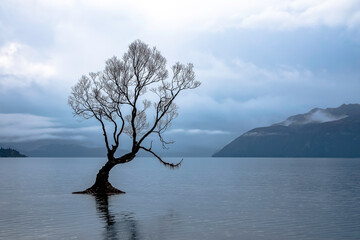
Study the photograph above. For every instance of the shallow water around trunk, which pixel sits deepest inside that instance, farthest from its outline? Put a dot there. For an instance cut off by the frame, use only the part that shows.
(207, 198)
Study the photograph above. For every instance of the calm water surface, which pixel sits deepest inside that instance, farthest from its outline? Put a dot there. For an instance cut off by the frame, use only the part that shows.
(207, 198)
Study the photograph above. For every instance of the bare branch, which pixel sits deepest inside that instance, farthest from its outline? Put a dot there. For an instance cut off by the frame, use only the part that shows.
(170, 165)
(104, 133)
(113, 96)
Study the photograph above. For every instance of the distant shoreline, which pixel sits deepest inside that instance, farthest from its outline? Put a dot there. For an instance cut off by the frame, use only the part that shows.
(10, 153)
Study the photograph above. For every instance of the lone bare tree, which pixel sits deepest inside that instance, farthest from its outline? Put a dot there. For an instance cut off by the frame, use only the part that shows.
(124, 96)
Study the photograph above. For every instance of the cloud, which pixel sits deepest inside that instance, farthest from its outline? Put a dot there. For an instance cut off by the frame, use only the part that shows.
(304, 13)
(216, 15)
(238, 95)
(80, 40)
(197, 131)
(26, 127)
(227, 80)
(19, 67)
(186, 17)
(317, 115)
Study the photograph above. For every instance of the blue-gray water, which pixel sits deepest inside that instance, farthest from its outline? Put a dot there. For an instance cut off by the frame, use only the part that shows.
(207, 198)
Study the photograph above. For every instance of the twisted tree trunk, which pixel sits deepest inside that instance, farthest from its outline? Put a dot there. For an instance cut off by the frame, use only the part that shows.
(102, 184)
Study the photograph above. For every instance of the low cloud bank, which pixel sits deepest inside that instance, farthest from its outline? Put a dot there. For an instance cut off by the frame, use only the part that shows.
(18, 127)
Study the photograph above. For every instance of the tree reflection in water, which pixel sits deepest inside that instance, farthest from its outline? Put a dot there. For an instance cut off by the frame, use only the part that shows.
(122, 227)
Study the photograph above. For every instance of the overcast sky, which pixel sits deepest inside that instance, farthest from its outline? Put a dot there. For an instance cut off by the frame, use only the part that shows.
(259, 61)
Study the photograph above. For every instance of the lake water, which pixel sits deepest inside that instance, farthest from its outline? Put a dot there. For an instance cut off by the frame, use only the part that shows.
(207, 198)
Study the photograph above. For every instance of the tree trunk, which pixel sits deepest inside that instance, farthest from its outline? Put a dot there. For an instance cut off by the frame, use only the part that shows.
(102, 184)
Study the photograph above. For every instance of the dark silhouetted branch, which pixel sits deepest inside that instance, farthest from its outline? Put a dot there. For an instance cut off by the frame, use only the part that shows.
(170, 165)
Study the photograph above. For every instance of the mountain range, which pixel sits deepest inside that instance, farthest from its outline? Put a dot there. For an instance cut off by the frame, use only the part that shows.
(60, 148)
(56, 148)
(330, 132)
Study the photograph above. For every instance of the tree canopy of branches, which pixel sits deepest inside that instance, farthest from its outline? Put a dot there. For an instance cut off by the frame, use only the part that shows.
(135, 96)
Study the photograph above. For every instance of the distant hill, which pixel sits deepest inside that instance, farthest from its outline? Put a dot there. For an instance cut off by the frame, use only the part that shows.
(8, 152)
(66, 150)
(57, 148)
(330, 132)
